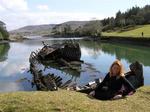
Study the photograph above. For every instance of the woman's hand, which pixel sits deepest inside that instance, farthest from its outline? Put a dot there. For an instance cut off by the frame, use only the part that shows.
(117, 97)
(92, 93)
(131, 93)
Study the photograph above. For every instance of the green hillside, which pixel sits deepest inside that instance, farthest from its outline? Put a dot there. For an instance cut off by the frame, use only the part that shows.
(135, 32)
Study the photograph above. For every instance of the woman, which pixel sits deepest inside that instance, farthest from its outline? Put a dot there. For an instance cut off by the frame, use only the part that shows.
(114, 85)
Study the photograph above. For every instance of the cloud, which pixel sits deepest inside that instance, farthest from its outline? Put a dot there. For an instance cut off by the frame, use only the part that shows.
(43, 7)
(16, 14)
(1, 8)
(14, 5)
(16, 20)
(12, 69)
(9, 86)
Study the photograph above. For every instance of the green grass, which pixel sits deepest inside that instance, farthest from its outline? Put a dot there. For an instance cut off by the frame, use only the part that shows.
(69, 101)
(136, 32)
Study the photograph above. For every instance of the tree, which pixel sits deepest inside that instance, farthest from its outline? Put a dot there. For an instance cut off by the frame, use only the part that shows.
(67, 30)
(118, 19)
(147, 18)
(92, 28)
(78, 31)
(3, 32)
(133, 16)
(1, 36)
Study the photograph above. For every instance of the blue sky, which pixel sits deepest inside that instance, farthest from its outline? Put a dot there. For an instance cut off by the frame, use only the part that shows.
(18, 13)
(106, 7)
(88, 5)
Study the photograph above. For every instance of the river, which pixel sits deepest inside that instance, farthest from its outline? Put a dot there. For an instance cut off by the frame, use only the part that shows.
(14, 62)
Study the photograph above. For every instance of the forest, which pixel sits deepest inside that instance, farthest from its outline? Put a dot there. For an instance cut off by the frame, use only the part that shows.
(131, 17)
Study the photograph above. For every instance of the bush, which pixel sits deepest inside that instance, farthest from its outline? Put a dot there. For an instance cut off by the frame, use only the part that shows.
(1, 36)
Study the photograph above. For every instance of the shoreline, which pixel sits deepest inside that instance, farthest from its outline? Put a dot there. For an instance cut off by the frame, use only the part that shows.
(141, 41)
(13, 40)
(127, 40)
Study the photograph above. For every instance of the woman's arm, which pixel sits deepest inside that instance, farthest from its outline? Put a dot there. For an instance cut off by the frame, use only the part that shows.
(129, 86)
(98, 88)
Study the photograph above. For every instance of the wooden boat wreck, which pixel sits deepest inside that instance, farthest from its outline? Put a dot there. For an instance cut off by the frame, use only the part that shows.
(46, 82)
(63, 54)
(68, 51)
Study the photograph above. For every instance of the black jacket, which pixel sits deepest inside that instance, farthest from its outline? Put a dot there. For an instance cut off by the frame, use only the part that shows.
(110, 86)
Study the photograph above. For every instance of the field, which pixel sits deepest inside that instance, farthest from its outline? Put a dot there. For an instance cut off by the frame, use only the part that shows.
(132, 32)
(70, 101)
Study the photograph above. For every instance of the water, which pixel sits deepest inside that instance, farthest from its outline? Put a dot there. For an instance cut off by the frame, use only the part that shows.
(14, 62)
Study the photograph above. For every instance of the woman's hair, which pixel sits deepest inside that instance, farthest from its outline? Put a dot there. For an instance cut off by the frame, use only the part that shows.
(121, 71)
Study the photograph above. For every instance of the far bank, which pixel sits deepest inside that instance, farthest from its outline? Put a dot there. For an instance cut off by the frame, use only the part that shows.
(142, 41)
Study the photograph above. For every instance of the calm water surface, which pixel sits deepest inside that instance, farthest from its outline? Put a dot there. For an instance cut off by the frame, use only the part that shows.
(14, 62)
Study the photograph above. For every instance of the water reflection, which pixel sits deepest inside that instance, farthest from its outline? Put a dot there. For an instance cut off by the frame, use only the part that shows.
(128, 52)
(64, 69)
(91, 48)
(14, 67)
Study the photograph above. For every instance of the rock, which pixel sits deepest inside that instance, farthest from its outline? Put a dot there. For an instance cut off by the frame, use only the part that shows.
(135, 76)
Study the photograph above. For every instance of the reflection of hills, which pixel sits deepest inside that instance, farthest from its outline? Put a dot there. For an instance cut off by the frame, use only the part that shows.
(128, 52)
(92, 47)
(4, 48)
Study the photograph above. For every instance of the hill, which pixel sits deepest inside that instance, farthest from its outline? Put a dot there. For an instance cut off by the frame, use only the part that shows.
(73, 24)
(45, 29)
(34, 30)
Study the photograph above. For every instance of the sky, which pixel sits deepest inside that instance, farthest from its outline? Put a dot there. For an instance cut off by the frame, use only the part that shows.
(19, 13)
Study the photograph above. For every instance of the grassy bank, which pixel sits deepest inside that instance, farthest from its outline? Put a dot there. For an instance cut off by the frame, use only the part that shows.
(69, 101)
(132, 32)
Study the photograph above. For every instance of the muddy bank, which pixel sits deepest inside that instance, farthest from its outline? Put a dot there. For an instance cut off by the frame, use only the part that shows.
(127, 40)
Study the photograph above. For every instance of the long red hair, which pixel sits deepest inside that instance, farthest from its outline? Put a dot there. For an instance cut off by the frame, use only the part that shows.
(121, 71)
